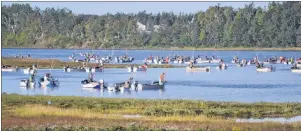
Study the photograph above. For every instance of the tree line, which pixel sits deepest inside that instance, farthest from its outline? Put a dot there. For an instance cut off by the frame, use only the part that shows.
(277, 25)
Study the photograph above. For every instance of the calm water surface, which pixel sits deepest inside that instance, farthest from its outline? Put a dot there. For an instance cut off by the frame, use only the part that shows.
(235, 84)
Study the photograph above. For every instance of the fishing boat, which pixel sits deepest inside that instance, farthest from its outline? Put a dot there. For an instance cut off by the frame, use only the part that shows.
(29, 71)
(68, 69)
(52, 83)
(222, 67)
(241, 65)
(123, 86)
(93, 84)
(215, 60)
(94, 69)
(194, 69)
(296, 70)
(135, 69)
(9, 69)
(26, 83)
(266, 69)
(201, 60)
(152, 86)
(148, 60)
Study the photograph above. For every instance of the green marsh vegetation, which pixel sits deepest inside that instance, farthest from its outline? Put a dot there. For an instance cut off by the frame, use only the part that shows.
(144, 114)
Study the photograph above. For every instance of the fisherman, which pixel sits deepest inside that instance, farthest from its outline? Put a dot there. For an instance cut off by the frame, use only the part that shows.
(101, 83)
(47, 77)
(90, 77)
(132, 67)
(31, 78)
(191, 64)
(161, 80)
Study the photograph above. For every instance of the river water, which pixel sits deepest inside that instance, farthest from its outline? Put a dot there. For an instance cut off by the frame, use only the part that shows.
(234, 84)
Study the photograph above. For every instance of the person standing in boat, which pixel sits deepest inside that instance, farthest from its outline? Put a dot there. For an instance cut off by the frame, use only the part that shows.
(161, 80)
(191, 64)
(90, 77)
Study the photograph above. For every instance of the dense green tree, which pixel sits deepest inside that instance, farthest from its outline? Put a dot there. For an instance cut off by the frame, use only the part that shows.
(278, 25)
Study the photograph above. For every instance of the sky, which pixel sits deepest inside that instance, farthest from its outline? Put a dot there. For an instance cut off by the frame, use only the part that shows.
(99, 8)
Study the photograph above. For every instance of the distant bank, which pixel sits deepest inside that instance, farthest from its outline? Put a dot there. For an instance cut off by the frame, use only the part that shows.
(175, 48)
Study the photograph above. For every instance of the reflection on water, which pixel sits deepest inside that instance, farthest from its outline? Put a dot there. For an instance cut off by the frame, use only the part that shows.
(281, 120)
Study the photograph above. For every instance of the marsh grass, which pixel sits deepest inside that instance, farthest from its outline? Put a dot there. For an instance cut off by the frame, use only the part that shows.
(57, 64)
(159, 107)
(82, 113)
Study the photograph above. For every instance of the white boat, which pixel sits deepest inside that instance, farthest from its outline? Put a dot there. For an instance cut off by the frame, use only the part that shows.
(153, 86)
(74, 70)
(94, 84)
(223, 67)
(54, 83)
(296, 70)
(135, 69)
(148, 61)
(24, 83)
(93, 70)
(241, 65)
(266, 69)
(215, 61)
(29, 71)
(200, 61)
(188, 69)
(10, 69)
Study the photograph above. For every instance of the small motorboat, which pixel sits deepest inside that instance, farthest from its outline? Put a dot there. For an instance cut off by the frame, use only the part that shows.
(135, 69)
(29, 71)
(26, 83)
(9, 69)
(153, 86)
(94, 69)
(194, 69)
(52, 83)
(68, 69)
(200, 61)
(241, 65)
(148, 61)
(94, 84)
(123, 86)
(266, 69)
(215, 60)
(222, 67)
(296, 70)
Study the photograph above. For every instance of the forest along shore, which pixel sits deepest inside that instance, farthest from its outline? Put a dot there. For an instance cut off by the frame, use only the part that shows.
(57, 64)
(218, 26)
(177, 48)
(58, 112)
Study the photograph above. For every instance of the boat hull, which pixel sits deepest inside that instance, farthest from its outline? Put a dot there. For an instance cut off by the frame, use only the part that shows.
(266, 69)
(149, 87)
(296, 70)
(9, 69)
(74, 70)
(135, 69)
(93, 70)
(24, 83)
(222, 67)
(29, 71)
(50, 83)
(199, 69)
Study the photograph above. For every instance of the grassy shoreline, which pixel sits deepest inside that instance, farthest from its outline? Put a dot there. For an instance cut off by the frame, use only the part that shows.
(57, 64)
(179, 49)
(83, 112)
